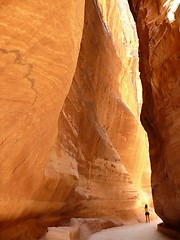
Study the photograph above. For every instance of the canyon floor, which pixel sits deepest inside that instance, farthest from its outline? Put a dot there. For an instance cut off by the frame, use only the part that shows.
(139, 231)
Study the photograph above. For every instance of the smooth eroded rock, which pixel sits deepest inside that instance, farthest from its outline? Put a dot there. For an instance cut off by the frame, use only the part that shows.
(36, 73)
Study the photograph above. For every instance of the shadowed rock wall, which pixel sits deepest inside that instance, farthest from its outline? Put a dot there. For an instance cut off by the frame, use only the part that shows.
(160, 73)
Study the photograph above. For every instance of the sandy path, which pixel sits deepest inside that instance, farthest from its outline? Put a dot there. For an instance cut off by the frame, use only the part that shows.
(141, 231)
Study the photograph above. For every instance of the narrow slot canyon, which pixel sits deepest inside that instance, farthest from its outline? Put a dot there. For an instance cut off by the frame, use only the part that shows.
(90, 119)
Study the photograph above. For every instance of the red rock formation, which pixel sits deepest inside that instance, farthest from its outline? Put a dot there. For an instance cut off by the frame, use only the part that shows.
(100, 136)
(36, 72)
(97, 163)
(159, 36)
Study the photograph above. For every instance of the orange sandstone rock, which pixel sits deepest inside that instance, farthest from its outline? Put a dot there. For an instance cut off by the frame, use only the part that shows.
(158, 29)
(69, 148)
(39, 47)
(99, 131)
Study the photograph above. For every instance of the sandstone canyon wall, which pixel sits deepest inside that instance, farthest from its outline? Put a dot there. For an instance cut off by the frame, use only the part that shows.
(36, 73)
(159, 33)
(100, 129)
(71, 141)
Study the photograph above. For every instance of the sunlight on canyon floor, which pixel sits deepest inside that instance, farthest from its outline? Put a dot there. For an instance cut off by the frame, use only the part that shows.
(131, 232)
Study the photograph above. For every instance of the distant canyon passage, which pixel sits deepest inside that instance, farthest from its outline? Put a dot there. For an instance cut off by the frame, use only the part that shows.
(71, 141)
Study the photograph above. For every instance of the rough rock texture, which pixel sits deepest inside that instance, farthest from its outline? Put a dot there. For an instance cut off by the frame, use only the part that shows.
(79, 228)
(36, 72)
(98, 129)
(168, 231)
(69, 150)
(158, 29)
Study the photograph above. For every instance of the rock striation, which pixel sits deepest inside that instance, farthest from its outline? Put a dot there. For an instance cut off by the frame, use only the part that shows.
(158, 29)
(71, 140)
(36, 73)
(100, 128)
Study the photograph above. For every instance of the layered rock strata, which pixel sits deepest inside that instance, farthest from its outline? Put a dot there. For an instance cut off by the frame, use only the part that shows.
(158, 29)
(71, 141)
(98, 128)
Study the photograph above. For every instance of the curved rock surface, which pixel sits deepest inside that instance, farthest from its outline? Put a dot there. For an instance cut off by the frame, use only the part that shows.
(159, 34)
(71, 141)
(100, 129)
(36, 73)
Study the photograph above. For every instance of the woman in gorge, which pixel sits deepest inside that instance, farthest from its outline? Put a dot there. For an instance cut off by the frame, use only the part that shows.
(147, 213)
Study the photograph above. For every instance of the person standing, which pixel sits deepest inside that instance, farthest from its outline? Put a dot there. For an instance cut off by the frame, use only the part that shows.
(147, 213)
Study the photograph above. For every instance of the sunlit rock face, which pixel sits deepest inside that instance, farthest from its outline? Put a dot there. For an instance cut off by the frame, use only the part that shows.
(130, 142)
(101, 143)
(158, 29)
(71, 140)
(37, 68)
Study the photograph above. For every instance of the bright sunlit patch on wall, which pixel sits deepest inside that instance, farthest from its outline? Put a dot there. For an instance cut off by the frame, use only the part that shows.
(172, 6)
